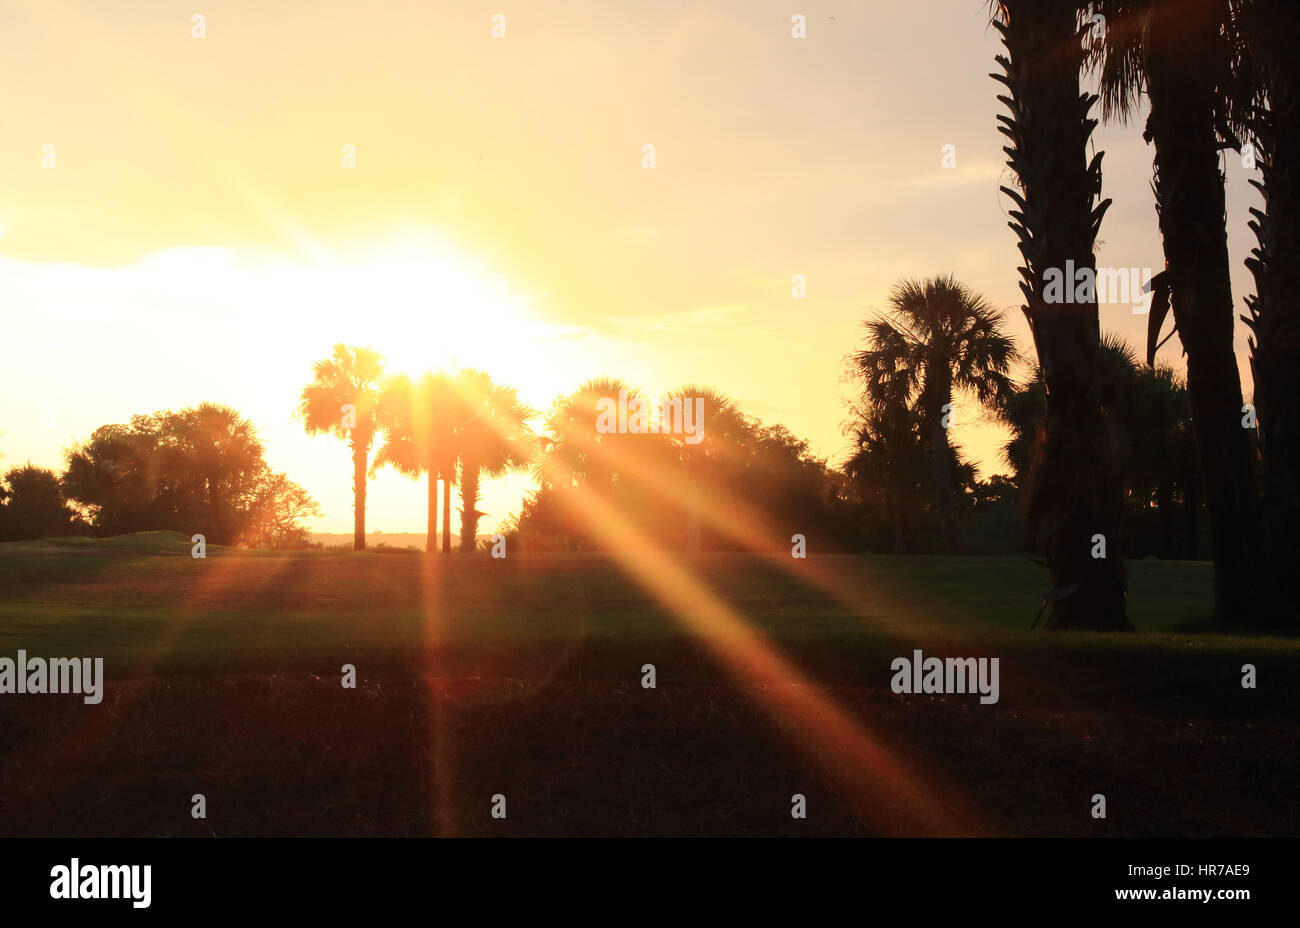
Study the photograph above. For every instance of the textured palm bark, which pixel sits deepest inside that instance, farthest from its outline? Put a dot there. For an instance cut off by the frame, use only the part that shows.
(359, 454)
(1074, 491)
(1275, 308)
(1190, 203)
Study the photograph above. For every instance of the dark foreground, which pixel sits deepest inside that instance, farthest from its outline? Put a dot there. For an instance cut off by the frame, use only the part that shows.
(527, 685)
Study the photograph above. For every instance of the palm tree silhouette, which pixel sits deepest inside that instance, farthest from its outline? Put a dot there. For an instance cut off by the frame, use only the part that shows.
(1179, 59)
(1272, 34)
(722, 428)
(418, 421)
(939, 338)
(342, 400)
(1271, 30)
(492, 437)
(575, 450)
(1077, 493)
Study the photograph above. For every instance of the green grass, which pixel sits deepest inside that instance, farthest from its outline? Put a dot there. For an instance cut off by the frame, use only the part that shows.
(510, 655)
(151, 607)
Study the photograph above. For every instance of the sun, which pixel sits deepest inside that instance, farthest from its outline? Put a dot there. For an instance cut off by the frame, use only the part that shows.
(427, 304)
(430, 305)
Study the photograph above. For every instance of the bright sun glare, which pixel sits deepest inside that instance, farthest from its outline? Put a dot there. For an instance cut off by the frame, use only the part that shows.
(428, 305)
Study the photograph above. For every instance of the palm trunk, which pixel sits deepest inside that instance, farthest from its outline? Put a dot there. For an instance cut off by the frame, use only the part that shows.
(1191, 209)
(446, 515)
(430, 542)
(469, 474)
(1274, 313)
(359, 496)
(1075, 492)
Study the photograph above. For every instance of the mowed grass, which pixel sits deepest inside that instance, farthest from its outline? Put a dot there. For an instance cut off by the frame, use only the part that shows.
(522, 676)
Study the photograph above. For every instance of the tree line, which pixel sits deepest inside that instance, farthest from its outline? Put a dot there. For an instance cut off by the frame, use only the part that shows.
(738, 483)
(454, 429)
(904, 487)
(200, 469)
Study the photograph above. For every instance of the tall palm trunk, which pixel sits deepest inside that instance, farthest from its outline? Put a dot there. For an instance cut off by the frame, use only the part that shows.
(446, 515)
(1191, 209)
(1275, 308)
(469, 477)
(1075, 493)
(359, 454)
(430, 542)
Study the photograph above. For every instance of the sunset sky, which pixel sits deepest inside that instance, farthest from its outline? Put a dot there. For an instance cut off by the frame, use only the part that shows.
(200, 239)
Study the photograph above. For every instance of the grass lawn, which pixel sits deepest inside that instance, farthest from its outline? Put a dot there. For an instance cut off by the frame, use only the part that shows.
(523, 676)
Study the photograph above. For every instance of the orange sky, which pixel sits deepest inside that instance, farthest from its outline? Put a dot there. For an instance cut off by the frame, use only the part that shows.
(199, 239)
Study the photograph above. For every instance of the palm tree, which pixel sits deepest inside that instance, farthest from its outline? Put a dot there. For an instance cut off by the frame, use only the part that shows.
(417, 422)
(576, 451)
(939, 339)
(722, 431)
(1271, 30)
(342, 400)
(492, 438)
(1180, 56)
(1077, 493)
